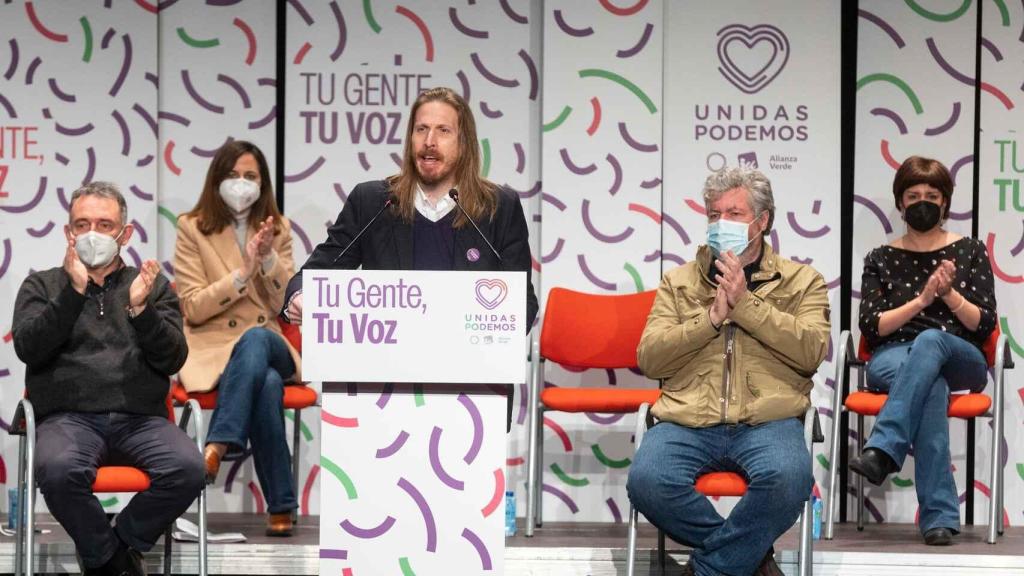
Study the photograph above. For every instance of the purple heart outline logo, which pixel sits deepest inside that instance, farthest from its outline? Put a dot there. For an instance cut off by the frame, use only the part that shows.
(756, 71)
(491, 292)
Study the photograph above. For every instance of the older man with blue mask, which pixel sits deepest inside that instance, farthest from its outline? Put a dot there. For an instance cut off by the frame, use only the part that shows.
(735, 335)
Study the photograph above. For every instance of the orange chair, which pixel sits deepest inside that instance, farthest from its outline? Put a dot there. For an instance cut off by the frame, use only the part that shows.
(965, 406)
(583, 331)
(295, 398)
(719, 484)
(108, 479)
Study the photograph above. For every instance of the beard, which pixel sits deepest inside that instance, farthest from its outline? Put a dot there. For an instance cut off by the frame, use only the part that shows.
(436, 174)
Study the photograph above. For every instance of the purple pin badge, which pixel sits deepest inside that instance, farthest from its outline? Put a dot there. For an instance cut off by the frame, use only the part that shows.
(472, 254)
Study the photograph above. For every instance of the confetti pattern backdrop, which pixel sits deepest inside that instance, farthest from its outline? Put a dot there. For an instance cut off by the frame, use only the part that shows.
(915, 95)
(601, 206)
(574, 112)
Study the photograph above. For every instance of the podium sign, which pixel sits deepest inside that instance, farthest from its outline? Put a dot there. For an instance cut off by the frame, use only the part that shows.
(413, 475)
(413, 326)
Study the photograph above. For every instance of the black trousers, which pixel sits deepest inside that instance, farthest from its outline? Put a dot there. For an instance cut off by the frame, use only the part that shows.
(70, 446)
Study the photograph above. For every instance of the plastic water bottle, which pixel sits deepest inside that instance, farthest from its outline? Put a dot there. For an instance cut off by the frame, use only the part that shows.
(816, 511)
(12, 510)
(510, 512)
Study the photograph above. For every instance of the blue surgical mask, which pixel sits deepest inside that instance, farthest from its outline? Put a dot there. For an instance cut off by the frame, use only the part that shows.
(725, 235)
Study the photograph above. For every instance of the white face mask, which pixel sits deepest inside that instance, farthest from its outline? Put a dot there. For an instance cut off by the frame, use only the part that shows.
(96, 250)
(239, 194)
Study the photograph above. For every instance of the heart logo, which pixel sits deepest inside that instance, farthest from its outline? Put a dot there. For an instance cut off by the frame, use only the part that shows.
(491, 293)
(752, 56)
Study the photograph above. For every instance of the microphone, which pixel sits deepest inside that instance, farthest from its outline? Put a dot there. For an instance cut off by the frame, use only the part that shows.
(391, 201)
(454, 195)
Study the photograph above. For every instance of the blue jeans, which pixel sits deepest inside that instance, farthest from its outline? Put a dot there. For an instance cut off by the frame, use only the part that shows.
(250, 409)
(69, 448)
(918, 376)
(771, 456)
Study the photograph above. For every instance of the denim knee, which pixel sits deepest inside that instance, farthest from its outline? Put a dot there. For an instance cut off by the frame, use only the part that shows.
(930, 339)
(644, 484)
(257, 337)
(790, 481)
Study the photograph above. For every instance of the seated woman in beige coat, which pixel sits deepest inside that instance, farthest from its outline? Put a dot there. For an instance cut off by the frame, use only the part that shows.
(232, 262)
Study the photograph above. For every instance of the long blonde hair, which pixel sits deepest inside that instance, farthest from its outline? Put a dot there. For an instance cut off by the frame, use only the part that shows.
(476, 194)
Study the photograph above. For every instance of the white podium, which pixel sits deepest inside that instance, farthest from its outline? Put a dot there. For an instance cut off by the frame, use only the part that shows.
(413, 418)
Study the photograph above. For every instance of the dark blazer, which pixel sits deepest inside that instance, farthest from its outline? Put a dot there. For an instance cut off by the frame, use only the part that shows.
(387, 244)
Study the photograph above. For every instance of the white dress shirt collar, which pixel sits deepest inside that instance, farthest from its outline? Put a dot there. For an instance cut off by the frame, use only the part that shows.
(432, 211)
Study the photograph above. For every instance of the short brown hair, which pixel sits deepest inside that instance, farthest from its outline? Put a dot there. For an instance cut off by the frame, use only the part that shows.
(919, 170)
(477, 195)
(211, 213)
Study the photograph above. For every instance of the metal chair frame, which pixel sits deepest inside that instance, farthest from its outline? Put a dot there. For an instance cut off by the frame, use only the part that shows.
(812, 434)
(24, 426)
(847, 358)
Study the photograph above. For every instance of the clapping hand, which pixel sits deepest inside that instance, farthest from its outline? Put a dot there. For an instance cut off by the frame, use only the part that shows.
(720, 307)
(142, 285)
(265, 237)
(731, 278)
(945, 273)
(929, 292)
(74, 268)
(258, 247)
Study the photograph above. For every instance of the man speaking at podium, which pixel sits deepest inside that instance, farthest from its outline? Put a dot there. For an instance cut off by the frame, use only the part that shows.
(437, 213)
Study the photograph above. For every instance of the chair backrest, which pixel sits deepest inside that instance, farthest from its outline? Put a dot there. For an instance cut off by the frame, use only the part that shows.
(594, 330)
(291, 333)
(989, 347)
(863, 350)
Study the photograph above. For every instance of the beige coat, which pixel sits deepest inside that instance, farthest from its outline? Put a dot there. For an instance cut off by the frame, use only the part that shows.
(216, 313)
(757, 367)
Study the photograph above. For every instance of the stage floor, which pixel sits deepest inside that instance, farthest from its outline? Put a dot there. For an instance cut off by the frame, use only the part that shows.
(562, 548)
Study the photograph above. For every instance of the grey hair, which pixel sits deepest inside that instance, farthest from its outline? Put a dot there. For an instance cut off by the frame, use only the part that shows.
(103, 190)
(757, 185)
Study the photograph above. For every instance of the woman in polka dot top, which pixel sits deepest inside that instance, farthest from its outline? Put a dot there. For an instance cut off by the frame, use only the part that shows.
(927, 306)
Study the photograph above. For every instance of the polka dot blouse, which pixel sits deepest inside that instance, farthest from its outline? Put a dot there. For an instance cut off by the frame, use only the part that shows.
(894, 276)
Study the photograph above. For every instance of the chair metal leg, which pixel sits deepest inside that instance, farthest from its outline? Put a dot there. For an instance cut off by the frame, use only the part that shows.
(803, 565)
(203, 549)
(533, 403)
(539, 483)
(969, 472)
(29, 500)
(296, 437)
(805, 552)
(167, 551)
(631, 544)
(193, 406)
(640, 427)
(845, 340)
(995, 504)
(662, 553)
(19, 540)
(860, 479)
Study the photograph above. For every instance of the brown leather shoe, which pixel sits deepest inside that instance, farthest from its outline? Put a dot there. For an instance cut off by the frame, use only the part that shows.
(279, 524)
(212, 458)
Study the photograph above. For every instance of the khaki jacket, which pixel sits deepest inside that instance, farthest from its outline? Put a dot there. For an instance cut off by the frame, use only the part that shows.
(757, 366)
(216, 313)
